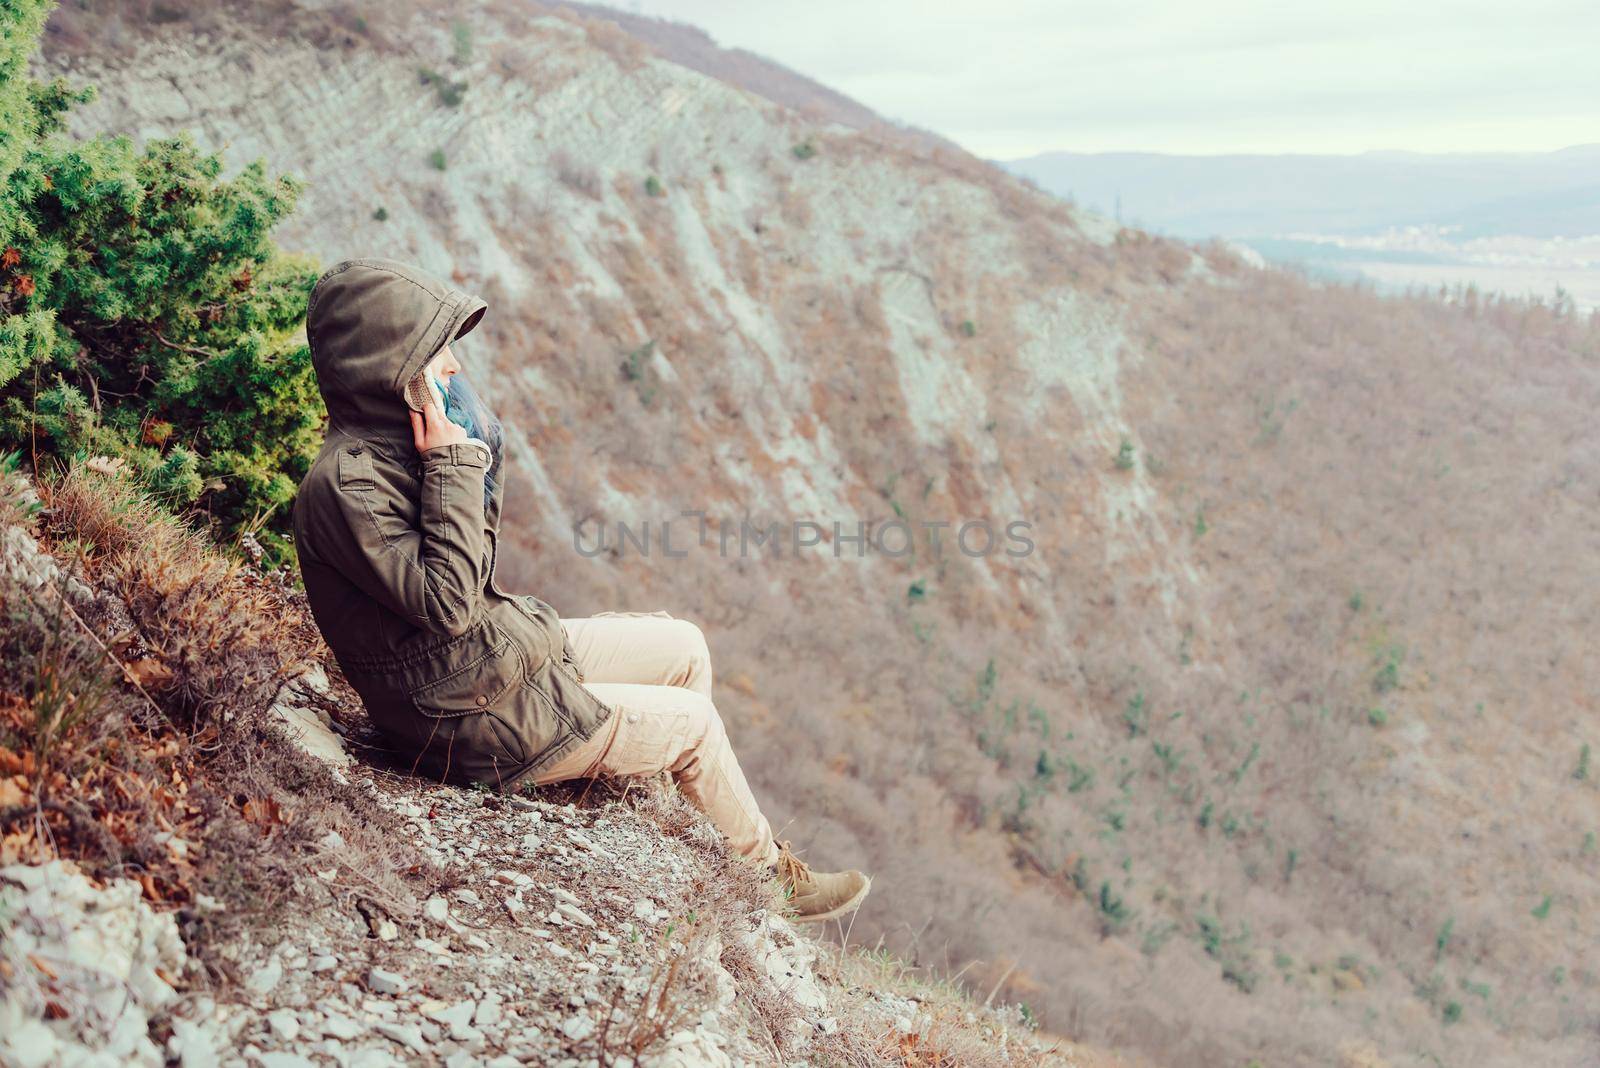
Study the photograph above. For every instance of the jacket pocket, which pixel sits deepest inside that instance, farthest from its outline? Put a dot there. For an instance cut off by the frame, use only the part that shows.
(476, 708)
(476, 686)
(561, 684)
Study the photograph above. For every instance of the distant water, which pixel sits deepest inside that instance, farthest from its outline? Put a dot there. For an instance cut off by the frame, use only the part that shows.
(1432, 256)
(1583, 286)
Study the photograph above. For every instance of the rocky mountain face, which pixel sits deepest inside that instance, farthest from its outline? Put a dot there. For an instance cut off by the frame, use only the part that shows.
(1265, 737)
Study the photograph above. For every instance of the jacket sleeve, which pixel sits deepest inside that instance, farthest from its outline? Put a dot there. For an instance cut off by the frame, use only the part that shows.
(433, 573)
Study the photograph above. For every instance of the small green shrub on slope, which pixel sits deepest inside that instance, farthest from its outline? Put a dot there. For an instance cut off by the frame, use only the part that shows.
(144, 310)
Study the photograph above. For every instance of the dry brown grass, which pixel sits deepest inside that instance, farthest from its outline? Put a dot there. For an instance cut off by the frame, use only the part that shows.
(957, 1029)
(664, 1007)
(726, 900)
(85, 767)
(224, 638)
(958, 1032)
(174, 771)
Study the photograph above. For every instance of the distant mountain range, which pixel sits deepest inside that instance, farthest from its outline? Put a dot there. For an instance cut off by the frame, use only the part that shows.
(1541, 195)
(1526, 224)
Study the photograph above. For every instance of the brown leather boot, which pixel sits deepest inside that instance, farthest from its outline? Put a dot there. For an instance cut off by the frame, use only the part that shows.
(814, 896)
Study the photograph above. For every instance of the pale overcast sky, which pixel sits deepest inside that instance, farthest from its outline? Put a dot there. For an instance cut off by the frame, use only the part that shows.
(1008, 78)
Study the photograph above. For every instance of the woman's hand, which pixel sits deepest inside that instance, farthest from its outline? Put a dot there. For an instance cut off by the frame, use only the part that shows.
(430, 429)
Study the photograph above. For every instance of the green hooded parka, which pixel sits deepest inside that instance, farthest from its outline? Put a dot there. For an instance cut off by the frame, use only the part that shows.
(397, 550)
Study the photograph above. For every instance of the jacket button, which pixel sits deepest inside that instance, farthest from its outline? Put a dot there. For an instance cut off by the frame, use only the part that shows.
(482, 700)
(355, 450)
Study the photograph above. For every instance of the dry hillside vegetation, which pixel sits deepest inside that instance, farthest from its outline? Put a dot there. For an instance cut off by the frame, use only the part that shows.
(1275, 750)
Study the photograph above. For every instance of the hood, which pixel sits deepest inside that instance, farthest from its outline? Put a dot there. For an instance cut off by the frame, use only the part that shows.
(372, 324)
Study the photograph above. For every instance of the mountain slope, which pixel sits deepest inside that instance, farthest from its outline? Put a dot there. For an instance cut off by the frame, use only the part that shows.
(1269, 747)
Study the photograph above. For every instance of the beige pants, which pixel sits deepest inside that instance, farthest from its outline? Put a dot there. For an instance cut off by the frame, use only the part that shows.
(655, 671)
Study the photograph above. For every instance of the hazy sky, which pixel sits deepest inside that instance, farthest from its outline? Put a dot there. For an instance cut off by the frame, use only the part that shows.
(1008, 78)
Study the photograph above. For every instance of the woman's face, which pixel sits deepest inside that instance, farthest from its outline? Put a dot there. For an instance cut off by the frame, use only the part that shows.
(445, 366)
